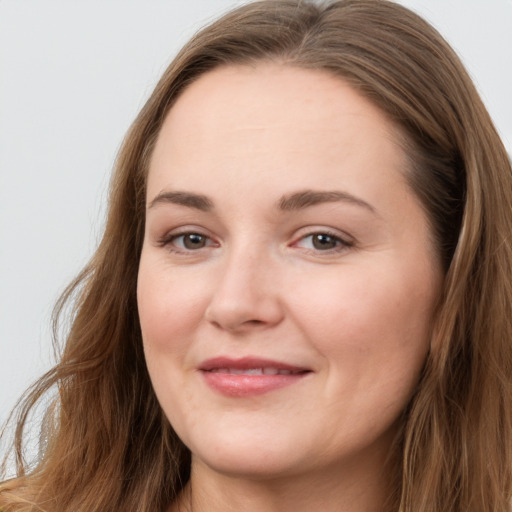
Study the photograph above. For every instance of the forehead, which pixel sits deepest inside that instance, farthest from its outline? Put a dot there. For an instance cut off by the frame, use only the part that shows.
(271, 121)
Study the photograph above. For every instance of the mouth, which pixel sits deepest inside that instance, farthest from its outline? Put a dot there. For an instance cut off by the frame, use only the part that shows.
(249, 376)
(255, 371)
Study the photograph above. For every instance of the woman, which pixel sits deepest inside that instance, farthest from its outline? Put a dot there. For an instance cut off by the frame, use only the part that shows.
(302, 297)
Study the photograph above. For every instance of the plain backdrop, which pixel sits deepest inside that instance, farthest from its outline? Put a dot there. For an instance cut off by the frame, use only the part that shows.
(73, 75)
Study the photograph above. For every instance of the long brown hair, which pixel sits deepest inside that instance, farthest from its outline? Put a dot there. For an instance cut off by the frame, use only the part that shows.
(106, 444)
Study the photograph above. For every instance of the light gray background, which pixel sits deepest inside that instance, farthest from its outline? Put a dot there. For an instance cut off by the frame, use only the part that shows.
(72, 77)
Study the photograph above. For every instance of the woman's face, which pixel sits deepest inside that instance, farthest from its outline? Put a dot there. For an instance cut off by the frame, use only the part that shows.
(287, 278)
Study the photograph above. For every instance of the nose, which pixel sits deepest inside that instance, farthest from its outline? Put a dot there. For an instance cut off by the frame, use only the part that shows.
(247, 295)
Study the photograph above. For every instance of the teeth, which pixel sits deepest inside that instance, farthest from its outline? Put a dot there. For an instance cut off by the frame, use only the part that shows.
(250, 371)
(220, 370)
(253, 371)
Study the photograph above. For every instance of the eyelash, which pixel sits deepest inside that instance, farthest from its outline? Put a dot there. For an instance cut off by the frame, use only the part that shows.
(168, 240)
(342, 244)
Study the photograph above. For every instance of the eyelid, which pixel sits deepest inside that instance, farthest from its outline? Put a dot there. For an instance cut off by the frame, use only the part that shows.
(344, 240)
(167, 239)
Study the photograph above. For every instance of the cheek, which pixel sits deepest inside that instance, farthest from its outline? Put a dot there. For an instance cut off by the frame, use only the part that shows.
(168, 311)
(168, 308)
(369, 326)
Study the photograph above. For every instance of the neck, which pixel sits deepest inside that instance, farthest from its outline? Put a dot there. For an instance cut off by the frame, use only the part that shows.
(330, 490)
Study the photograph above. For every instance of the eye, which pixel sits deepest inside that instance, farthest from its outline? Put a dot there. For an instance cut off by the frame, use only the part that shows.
(323, 242)
(187, 242)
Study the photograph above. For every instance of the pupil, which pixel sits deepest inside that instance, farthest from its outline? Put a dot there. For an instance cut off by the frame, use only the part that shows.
(324, 242)
(194, 241)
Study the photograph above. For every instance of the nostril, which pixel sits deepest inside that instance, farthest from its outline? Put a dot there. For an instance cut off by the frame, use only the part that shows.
(246, 312)
(238, 326)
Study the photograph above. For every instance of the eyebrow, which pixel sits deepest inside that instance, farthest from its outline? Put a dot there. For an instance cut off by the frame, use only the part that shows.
(306, 198)
(290, 202)
(197, 201)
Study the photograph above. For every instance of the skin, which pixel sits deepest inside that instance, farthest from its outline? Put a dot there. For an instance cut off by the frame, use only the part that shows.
(355, 310)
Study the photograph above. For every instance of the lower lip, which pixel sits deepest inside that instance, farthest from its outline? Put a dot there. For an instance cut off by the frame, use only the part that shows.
(248, 385)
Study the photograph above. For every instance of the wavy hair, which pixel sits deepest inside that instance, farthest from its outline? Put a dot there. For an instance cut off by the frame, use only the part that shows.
(106, 444)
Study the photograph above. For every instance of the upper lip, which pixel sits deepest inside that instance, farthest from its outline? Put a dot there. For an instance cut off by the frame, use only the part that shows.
(247, 363)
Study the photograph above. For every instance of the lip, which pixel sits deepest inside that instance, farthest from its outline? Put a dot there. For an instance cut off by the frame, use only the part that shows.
(227, 375)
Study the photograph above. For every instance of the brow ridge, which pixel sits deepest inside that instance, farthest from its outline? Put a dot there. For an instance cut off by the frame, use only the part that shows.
(196, 201)
(306, 198)
(290, 202)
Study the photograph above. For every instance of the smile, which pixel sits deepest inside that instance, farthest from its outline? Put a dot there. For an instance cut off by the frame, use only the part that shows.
(255, 371)
(248, 377)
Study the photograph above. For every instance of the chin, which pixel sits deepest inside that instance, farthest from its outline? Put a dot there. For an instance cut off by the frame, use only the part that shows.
(249, 457)
(249, 467)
